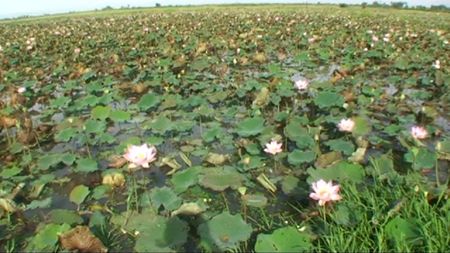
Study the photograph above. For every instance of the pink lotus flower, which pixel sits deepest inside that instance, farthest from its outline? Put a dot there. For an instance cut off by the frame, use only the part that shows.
(273, 147)
(346, 125)
(437, 64)
(301, 84)
(21, 90)
(140, 155)
(418, 132)
(325, 192)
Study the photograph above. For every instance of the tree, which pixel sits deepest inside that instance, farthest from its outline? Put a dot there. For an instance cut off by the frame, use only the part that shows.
(157, 5)
(399, 5)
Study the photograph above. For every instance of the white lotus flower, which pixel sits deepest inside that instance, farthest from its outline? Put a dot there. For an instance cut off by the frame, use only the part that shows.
(325, 192)
(140, 155)
(419, 132)
(346, 125)
(273, 147)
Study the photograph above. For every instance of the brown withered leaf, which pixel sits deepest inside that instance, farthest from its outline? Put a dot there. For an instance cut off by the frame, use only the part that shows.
(81, 239)
(26, 137)
(7, 122)
(139, 88)
(259, 58)
(328, 159)
(216, 159)
(17, 99)
(117, 162)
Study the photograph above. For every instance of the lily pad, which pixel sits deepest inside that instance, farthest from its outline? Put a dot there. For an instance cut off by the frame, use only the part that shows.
(148, 101)
(340, 145)
(342, 171)
(287, 239)
(298, 157)
(224, 232)
(101, 112)
(400, 230)
(219, 179)
(166, 197)
(61, 216)
(161, 125)
(160, 234)
(255, 200)
(79, 194)
(86, 165)
(47, 237)
(325, 99)
(250, 126)
(182, 180)
(120, 116)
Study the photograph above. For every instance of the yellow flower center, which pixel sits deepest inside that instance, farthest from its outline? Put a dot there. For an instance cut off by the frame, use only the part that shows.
(322, 191)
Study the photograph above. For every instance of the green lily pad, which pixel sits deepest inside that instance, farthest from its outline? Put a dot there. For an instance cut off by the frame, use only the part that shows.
(342, 171)
(45, 162)
(44, 203)
(101, 112)
(325, 99)
(120, 116)
(250, 126)
(400, 230)
(86, 165)
(219, 179)
(61, 216)
(79, 194)
(341, 145)
(295, 132)
(255, 200)
(362, 126)
(66, 134)
(148, 101)
(94, 126)
(157, 233)
(342, 215)
(47, 237)
(11, 172)
(287, 239)
(68, 158)
(224, 232)
(184, 179)
(161, 125)
(289, 184)
(166, 197)
(298, 157)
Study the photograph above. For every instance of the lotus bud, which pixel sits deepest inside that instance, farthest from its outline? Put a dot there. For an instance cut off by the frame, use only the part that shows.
(114, 179)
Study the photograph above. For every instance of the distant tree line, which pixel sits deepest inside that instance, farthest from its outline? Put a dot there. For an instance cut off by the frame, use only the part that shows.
(400, 5)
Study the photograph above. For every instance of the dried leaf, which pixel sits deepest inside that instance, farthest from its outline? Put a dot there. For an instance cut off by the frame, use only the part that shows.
(328, 159)
(117, 162)
(358, 155)
(192, 208)
(216, 159)
(262, 179)
(81, 238)
(262, 98)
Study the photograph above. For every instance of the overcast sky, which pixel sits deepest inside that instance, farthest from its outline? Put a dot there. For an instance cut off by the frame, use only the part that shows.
(14, 8)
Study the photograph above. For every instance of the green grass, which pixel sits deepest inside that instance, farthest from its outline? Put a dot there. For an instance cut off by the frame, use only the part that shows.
(365, 223)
